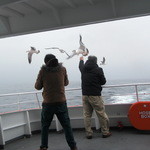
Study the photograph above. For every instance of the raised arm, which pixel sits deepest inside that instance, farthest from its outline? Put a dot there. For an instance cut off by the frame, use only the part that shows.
(66, 81)
(39, 81)
(81, 64)
(102, 76)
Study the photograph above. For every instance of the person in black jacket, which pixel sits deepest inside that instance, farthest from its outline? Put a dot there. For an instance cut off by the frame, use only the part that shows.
(92, 77)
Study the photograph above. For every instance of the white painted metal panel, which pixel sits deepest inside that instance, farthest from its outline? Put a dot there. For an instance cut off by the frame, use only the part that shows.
(16, 124)
(35, 120)
(10, 121)
(13, 133)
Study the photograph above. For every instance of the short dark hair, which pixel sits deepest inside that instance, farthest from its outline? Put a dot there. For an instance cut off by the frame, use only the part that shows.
(49, 57)
(50, 60)
(93, 59)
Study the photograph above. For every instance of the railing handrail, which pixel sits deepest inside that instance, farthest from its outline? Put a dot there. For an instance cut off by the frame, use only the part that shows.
(73, 89)
(123, 85)
(37, 101)
(33, 92)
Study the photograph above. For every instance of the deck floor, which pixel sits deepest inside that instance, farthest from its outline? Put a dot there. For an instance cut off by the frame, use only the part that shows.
(127, 139)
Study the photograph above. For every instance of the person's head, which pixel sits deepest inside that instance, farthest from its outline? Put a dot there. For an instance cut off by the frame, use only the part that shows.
(50, 60)
(93, 59)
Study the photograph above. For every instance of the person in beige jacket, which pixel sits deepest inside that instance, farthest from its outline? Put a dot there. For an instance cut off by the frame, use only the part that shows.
(52, 78)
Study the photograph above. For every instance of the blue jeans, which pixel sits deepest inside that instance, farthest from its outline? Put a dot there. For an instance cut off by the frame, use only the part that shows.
(61, 112)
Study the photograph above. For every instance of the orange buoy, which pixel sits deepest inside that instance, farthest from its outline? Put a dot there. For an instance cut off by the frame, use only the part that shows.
(139, 115)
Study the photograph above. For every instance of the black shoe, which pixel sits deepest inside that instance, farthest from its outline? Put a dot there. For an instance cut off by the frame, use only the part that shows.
(89, 136)
(75, 148)
(42, 149)
(107, 135)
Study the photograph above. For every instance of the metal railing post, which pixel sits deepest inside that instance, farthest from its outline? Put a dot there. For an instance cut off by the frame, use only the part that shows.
(18, 102)
(2, 139)
(37, 100)
(136, 91)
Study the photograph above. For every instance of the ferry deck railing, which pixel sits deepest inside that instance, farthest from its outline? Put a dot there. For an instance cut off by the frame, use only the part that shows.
(38, 101)
(23, 122)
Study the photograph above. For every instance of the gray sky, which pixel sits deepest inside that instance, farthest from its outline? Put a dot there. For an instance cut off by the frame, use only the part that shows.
(124, 43)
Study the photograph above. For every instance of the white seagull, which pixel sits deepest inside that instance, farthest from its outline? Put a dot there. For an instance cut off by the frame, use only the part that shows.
(81, 50)
(30, 52)
(103, 61)
(73, 54)
(61, 50)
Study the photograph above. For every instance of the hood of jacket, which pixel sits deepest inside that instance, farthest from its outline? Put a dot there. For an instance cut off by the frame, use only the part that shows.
(90, 65)
(52, 69)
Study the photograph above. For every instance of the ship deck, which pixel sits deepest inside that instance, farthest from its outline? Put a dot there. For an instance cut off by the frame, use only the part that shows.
(126, 139)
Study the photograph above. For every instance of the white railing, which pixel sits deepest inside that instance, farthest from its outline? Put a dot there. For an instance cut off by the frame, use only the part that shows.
(19, 102)
(16, 106)
(135, 88)
(135, 85)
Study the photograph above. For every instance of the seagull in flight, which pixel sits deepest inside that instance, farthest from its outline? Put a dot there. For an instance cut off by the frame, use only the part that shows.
(30, 52)
(81, 50)
(103, 61)
(73, 54)
(61, 50)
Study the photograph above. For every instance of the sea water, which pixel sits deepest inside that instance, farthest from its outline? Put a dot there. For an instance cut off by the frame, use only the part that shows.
(112, 95)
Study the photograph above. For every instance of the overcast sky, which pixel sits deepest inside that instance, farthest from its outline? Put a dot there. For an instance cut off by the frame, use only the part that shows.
(124, 43)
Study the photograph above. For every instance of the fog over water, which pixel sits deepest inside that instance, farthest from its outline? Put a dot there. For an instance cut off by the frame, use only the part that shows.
(124, 43)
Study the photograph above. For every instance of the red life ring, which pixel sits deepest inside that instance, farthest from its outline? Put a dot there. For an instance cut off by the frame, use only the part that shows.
(139, 115)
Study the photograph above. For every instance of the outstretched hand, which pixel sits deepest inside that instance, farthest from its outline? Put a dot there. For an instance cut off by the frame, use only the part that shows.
(81, 58)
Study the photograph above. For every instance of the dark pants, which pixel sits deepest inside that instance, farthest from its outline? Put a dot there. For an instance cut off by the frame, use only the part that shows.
(61, 112)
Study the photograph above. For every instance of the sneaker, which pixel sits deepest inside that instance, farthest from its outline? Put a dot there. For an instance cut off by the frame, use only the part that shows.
(106, 135)
(75, 148)
(89, 136)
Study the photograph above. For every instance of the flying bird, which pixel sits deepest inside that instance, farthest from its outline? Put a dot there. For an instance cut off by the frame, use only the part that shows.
(103, 61)
(81, 50)
(73, 54)
(61, 50)
(30, 52)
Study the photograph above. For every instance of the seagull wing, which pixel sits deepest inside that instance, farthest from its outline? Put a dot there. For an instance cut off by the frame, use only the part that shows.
(82, 46)
(86, 52)
(52, 48)
(66, 53)
(33, 48)
(61, 50)
(30, 57)
(73, 54)
(80, 42)
(104, 59)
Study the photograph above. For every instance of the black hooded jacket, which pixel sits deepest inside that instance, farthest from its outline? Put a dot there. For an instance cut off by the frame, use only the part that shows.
(92, 78)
